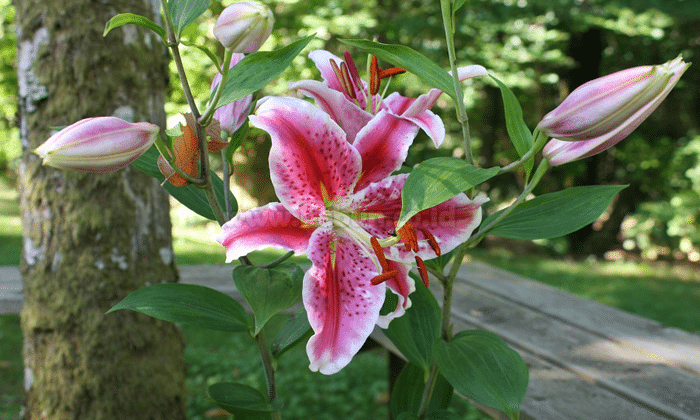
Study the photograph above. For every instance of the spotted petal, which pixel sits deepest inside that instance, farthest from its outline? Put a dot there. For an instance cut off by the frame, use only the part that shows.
(342, 305)
(402, 285)
(451, 223)
(267, 226)
(383, 144)
(310, 159)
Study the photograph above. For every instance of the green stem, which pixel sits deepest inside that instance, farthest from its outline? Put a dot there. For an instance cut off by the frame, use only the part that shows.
(540, 140)
(209, 112)
(428, 392)
(269, 368)
(205, 174)
(448, 23)
(476, 238)
(227, 185)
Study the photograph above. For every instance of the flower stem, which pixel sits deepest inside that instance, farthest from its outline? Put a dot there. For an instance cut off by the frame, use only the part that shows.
(428, 392)
(476, 238)
(269, 373)
(205, 119)
(448, 23)
(205, 174)
(540, 140)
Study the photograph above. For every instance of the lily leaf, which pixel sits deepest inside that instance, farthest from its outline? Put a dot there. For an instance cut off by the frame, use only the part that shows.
(243, 401)
(130, 18)
(410, 60)
(269, 291)
(256, 70)
(437, 180)
(414, 333)
(519, 134)
(184, 12)
(556, 214)
(483, 368)
(188, 304)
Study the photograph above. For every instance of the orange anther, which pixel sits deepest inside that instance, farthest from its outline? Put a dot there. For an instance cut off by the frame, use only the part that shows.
(383, 277)
(390, 72)
(374, 78)
(422, 270)
(431, 241)
(408, 237)
(379, 251)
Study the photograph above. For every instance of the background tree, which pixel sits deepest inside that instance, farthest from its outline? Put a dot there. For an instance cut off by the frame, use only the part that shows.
(89, 240)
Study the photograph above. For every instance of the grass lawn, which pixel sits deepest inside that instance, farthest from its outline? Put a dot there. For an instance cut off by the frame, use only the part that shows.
(669, 294)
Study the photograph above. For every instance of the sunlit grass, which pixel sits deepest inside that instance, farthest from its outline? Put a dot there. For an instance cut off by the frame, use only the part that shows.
(10, 226)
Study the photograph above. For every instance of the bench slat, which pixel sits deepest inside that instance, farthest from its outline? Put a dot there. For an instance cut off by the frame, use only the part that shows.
(671, 344)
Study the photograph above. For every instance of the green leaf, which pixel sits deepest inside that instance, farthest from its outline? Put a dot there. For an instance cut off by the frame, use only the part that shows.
(406, 416)
(243, 401)
(292, 332)
(457, 4)
(188, 304)
(269, 291)
(408, 392)
(410, 60)
(437, 180)
(415, 332)
(237, 139)
(556, 214)
(442, 415)
(127, 18)
(256, 70)
(519, 134)
(190, 196)
(184, 12)
(482, 367)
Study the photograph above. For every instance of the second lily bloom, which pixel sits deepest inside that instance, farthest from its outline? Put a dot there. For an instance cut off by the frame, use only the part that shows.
(600, 113)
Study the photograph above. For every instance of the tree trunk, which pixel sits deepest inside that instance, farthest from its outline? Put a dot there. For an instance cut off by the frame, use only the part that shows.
(89, 240)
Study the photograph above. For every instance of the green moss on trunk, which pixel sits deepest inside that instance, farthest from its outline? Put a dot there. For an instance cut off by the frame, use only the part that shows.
(92, 239)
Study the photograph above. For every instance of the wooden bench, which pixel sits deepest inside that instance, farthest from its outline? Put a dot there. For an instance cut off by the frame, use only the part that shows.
(587, 361)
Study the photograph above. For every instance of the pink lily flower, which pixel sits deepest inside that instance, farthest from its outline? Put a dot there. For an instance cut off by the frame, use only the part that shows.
(351, 103)
(338, 204)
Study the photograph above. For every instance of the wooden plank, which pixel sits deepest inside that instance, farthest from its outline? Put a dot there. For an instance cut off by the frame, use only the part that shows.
(673, 346)
(555, 393)
(633, 374)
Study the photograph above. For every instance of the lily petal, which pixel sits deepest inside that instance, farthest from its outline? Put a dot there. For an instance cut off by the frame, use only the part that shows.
(418, 111)
(342, 305)
(262, 227)
(402, 286)
(310, 159)
(346, 113)
(383, 144)
(322, 59)
(451, 222)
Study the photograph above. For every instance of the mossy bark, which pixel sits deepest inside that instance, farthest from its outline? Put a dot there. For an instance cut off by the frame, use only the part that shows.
(89, 240)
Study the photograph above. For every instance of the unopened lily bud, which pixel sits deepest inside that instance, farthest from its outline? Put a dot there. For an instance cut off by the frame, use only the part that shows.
(232, 116)
(243, 27)
(600, 113)
(99, 144)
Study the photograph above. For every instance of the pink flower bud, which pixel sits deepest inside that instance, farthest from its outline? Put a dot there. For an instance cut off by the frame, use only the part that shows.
(231, 116)
(243, 27)
(600, 113)
(99, 144)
